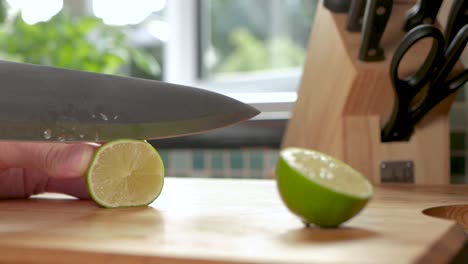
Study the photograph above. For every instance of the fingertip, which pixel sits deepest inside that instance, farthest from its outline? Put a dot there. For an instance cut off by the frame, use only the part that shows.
(58, 160)
(76, 160)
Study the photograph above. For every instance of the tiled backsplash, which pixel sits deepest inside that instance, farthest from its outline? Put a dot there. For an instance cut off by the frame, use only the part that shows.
(227, 163)
(458, 137)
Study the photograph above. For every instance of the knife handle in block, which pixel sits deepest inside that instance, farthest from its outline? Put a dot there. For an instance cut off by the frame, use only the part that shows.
(337, 6)
(375, 21)
(356, 15)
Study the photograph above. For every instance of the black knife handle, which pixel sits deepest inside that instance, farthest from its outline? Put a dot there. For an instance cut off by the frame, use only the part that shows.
(424, 12)
(337, 6)
(458, 18)
(356, 14)
(375, 21)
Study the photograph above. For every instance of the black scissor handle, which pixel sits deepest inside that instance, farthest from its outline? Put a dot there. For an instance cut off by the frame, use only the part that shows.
(457, 18)
(441, 87)
(400, 126)
(424, 73)
(452, 55)
(424, 12)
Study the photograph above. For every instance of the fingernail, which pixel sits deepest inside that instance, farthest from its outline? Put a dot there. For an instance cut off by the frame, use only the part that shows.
(78, 159)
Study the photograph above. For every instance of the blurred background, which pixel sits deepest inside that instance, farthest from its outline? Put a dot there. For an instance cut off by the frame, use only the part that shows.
(252, 50)
(135, 37)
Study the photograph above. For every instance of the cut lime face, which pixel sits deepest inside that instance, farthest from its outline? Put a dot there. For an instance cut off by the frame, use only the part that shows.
(320, 189)
(125, 173)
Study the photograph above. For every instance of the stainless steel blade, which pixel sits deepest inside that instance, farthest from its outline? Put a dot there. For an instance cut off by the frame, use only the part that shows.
(40, 103)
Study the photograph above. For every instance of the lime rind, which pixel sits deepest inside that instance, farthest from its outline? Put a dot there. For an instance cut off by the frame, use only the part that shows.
(328, 172)
(95, 159)
(312, 201)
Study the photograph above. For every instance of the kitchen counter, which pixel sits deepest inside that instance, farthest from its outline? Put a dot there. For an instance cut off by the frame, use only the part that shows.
(232, 221)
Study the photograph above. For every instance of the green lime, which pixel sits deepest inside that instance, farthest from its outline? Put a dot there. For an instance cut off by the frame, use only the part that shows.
(320, 189)
(125, 173)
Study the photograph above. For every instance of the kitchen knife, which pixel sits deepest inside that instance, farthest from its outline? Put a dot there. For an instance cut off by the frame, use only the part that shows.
(458, 17)
(356, 14)
(375, 21)
(424, 12)
(337, 6)
(40, 103)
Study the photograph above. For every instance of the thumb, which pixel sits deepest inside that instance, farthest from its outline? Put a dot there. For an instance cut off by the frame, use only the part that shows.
(55, 159)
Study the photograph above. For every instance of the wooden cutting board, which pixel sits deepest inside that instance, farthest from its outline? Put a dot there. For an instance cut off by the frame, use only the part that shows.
(231, 221)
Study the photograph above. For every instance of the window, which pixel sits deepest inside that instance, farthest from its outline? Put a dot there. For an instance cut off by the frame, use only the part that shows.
(245, 36)
(250, 50)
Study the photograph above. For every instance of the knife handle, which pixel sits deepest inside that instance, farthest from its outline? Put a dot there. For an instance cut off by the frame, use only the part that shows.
(458, 18)
(356, 14)
(375, 21)
(337, 6)
(424, 12)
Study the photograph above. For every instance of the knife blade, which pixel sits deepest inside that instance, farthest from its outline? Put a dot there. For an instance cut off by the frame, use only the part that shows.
(375, 21)
(423, 12)
(458, 17)
(337, 6)
(41, 103)
(355, 17)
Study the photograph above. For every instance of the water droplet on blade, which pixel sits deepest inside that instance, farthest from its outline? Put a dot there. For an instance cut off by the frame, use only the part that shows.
(104, 117)
(47, 134)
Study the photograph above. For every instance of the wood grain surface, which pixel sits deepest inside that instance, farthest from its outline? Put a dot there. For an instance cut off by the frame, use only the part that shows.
(229, 221)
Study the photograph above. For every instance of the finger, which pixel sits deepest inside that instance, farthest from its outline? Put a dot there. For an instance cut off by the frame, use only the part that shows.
(22, 183)
(55, 159)
(72, 186)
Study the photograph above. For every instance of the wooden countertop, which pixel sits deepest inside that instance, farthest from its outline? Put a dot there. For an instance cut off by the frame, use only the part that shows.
(231, 221)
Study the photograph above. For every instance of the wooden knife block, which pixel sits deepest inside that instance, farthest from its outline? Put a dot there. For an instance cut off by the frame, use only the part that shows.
(343, 103)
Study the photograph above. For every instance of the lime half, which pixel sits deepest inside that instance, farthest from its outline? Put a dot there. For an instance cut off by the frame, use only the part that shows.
(125, 173)
(320, 189)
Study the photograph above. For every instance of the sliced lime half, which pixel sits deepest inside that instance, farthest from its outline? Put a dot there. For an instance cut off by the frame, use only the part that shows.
(125, 173)
(320, 189)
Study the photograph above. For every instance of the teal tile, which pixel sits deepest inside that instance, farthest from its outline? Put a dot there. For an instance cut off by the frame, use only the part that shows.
(458, 179)
(461, 95)
(457, 117)
(165, 157)
(198, 160)
(236, 160)
(457, 141)
(217, 160)
(181, 160)
(457, 165)
(273, 159)
(256, 160)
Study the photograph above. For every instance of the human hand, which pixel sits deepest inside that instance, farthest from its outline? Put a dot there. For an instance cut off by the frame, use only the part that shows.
(28, 168)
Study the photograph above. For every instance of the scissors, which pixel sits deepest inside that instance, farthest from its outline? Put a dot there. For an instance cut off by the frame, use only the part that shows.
(417, 94)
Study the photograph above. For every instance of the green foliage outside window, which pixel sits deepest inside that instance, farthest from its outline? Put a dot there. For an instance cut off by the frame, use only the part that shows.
(252, 54)
(81, 43)
(243, 37)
